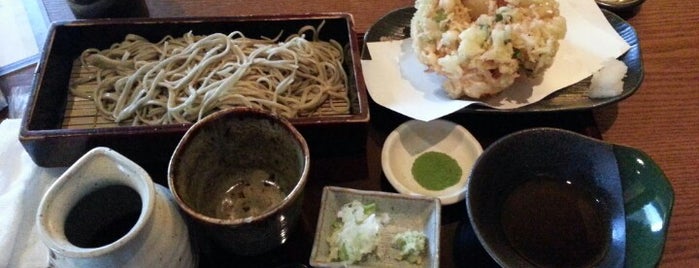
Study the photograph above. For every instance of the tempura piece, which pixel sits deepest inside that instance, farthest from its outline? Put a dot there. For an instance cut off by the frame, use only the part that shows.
(482, 46)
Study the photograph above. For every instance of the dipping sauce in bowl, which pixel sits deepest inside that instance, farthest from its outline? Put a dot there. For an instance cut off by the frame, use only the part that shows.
(579, 235)
(548, 197)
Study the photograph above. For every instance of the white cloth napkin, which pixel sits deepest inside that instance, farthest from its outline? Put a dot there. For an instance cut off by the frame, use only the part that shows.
(22, 185)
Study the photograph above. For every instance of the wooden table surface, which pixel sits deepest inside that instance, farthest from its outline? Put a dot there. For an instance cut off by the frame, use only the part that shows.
(661, 118)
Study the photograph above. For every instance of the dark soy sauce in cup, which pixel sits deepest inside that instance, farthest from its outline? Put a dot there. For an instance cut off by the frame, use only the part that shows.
(103, 216)
(553, 223)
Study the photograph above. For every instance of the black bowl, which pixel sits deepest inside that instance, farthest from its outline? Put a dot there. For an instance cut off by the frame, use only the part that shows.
(548, 197)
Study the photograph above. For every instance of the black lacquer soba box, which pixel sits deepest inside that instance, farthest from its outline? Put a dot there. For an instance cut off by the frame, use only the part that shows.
(59, 127)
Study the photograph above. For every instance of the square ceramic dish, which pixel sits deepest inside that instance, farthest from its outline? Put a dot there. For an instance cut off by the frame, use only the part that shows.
(56, 131)
(406, 212)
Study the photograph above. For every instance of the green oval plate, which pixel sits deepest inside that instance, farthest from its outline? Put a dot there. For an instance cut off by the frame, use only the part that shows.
(648, 201)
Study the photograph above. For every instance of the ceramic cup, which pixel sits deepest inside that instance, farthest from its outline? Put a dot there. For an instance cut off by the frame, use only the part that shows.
(105, 210)
(239, 174)
(548, 198)
(91, 9)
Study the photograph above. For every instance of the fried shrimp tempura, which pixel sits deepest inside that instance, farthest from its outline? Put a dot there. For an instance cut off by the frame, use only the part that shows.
(481, 46)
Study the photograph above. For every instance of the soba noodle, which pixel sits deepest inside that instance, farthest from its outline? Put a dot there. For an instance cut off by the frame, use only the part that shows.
(181, 80)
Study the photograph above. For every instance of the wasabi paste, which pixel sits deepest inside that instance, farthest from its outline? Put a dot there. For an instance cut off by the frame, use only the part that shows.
(436, 171)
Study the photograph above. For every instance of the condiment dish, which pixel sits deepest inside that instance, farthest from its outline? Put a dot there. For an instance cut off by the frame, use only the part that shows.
(404, 213)
(619, 5)
(417, 150)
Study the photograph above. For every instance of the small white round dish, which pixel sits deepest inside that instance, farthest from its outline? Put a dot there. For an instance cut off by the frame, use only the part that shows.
(414, 138)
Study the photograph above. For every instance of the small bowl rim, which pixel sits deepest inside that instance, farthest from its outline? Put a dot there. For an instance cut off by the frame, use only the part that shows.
(397, 182)
(196, 128)
(626, 5)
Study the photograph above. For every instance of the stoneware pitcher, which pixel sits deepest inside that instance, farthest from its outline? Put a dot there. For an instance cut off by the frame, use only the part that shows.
(105, 211)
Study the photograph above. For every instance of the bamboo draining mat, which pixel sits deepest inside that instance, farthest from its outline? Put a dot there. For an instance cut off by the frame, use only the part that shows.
(82, 113)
